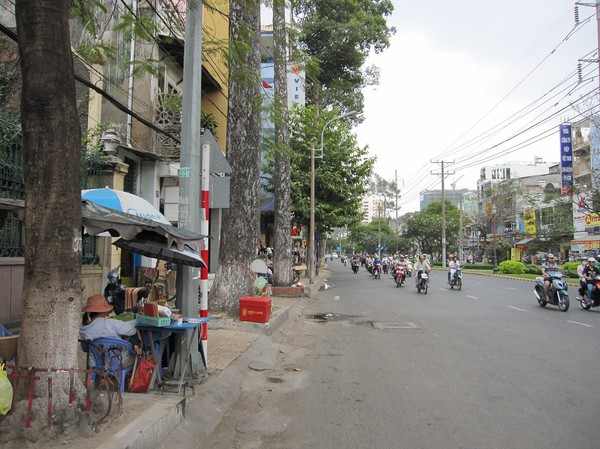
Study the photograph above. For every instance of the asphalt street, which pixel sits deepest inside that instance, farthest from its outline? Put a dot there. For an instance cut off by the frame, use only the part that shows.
(369, 365)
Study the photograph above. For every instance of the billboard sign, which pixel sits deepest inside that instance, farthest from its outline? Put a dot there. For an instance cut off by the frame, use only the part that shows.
(566, 158)
(296, 85)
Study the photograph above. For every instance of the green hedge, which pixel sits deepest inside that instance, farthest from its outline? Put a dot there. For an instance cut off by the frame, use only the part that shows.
(511, 267)
(477, 266)
(533, 269)
(570, 269)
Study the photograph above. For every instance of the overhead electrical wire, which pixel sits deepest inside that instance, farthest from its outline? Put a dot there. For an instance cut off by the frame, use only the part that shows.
(418, 174)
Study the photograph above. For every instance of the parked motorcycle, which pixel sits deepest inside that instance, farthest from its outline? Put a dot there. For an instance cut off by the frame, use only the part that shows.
(399, 275)
(595, 296)
(114, 292)
(559, 296)
(456, 280)
(423, 283)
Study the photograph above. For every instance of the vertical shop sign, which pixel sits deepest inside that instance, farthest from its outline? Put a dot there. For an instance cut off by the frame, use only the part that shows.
(566, 159)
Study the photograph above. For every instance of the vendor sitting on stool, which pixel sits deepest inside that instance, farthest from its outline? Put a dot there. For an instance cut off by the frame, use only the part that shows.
(96, 324)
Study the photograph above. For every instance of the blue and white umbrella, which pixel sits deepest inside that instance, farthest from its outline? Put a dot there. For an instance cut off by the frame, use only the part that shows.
(124, 202)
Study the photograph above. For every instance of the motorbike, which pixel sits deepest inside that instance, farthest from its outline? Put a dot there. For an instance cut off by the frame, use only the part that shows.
(377, 271)
(409, 269)
(595, 296)
(355, 265)
(559, 296)
(114, 292)
(399, 276)
(456, 280)
(423, 283)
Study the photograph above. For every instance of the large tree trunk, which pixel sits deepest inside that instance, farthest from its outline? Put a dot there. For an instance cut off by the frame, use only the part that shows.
(51, 140)
(282, 258)
(240, 229)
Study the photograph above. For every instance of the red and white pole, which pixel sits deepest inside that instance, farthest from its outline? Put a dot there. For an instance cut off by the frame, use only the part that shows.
(204, 229)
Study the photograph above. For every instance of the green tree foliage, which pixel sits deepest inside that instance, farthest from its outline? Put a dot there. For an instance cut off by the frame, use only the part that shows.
(341, 175)
(338, 35)
(425, 228)
(367, 237)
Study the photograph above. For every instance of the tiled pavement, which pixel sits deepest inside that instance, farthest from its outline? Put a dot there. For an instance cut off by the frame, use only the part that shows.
(224, 346)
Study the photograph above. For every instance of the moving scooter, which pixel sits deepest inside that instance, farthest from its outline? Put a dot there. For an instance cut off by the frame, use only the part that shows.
(559, 296)
(399, 275)
(456, 280)
(595, 296)
(423, 282)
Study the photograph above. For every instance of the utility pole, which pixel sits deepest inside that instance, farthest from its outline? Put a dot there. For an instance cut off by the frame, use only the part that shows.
(189, 176)
(443, 174)
(396, 191)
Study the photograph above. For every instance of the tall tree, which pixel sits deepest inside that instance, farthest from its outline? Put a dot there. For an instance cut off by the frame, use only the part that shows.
(341, 176)
(240, 231)
(52, 142)
(282, 258)
(338, 35)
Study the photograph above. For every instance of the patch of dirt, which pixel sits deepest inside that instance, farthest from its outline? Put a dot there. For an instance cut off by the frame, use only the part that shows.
(71, 427)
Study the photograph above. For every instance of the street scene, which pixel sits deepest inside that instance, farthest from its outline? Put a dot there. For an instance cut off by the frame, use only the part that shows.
(365, 364)
(237, 224)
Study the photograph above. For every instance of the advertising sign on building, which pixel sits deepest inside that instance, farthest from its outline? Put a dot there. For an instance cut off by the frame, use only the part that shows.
(592, 223)
(566, 158)
(296, 85)
(529, 219)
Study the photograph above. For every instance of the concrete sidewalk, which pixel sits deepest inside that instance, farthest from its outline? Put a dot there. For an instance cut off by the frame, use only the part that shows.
(156, 420)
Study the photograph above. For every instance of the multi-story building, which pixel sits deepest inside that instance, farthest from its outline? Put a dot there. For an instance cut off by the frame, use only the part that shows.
(295, 90)
(429, 196)
(144, 158)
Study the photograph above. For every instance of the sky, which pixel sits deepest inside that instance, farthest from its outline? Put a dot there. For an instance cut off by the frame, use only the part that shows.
(477, 83)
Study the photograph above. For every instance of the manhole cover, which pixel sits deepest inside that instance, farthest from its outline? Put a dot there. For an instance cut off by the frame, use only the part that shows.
(394, 325)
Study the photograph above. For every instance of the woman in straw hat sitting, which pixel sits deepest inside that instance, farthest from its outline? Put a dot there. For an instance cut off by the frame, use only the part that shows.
(96, 324)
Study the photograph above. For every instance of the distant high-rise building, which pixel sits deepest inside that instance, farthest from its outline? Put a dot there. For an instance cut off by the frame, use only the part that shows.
(429, 196)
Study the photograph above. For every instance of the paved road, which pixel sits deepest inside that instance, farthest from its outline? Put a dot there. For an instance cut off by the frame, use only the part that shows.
(369, 365)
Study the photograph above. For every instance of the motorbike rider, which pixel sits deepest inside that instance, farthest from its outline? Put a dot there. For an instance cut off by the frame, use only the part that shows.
(548, 269)
(376, 263)
(452, 267)
(422, 266)
(589, 273)
(401, 262)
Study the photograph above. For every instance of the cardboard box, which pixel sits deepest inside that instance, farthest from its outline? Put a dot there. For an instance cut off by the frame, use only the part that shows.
(255, 308)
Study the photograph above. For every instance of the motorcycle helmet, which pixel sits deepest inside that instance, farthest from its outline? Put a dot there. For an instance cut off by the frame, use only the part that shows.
(591, 259)
(550, 256)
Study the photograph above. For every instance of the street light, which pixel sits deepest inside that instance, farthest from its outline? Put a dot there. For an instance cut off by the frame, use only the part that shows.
(311, 247)
(494, 211)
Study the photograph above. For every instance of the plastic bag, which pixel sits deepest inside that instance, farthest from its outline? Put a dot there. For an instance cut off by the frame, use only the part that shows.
(6, 392)
(142, 376)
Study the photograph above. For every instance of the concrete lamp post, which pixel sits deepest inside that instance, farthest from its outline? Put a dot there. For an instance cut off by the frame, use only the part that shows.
(311, 247)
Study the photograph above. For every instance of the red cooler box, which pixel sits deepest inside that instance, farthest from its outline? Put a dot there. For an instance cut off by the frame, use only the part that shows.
(255, 308)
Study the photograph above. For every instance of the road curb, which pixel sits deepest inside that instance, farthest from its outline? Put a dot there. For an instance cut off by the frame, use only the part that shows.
(149, 426)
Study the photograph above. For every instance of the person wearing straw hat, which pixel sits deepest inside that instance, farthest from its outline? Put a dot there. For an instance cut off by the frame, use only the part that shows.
(96, 324)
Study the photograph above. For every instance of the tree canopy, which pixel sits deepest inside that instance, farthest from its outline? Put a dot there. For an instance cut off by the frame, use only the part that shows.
(425, 227)
(338, 35)
(341, 175)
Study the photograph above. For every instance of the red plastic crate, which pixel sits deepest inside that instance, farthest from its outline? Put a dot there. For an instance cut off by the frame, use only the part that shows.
(255, 308)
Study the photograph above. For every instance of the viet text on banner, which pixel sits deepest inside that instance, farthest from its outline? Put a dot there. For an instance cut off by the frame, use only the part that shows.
(566, 158)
